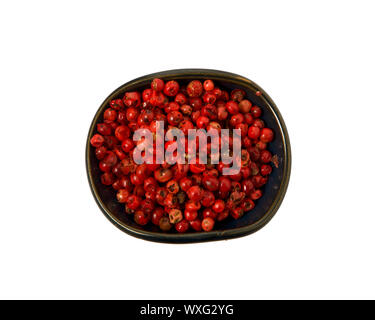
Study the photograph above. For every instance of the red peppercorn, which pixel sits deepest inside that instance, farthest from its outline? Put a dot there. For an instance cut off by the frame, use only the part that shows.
(127, 166)
(246, 142)
(218, 206)
(208, 198)
(131, 114)
(150, 184)
(116, 185)
(265, 156)
(116, 170)
(136, 179)
(147, 205)
(120, 154)
(163, 175)
(146, 95)
(258, 181)
(254, 153)
(237, 95)
(197, 168)
(104, 129)
(247, 186)
(209, 213)
(247, 205)
(190, 215)
(194, 193)
(156, 216)
(157, 85)
(186, 183)
(107, 178)
(265, 170)
(214, 126)
(196, 225)
(100, 152)
(225, 185)
(209, 111)
(164, 224)
(245, 106)
(125, 183)
(142, 170)
(157, 99)
(171, 200)
(182, 226)
(194, 89)
(208, 85)
(253, 132)
(202, 122)
(185, 126)
(210, 182)
(171, 88)
(232, 107)
(172, 186)
(141, 217)
(122, 195)
(256, 194)
(258, 123)
(195, 115)
(150, 195)
(127, 145)
(208, 224)
(174, 117)
(110, 158)
(236, 119)
(192, 205)
(181, 99)
(97, 140)
(243, 127)
(196, 103)
(110, 141)
(209, 98)
(223, 215)
(186, 110)
(222, 113)
(256, 112)
(161, 194)
(248, 118)
(261, 145)
(133, 202)
(132, 99)
(175, 216)
(172, 106)
(117, 104)
(122, 132)
(110, 114)
(145, 118)
(266, 135)
(237, 213)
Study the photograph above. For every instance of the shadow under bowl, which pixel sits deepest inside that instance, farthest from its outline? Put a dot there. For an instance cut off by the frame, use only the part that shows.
(266, 206)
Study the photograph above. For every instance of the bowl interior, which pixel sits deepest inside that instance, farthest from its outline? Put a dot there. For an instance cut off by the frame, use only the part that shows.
(107, 196)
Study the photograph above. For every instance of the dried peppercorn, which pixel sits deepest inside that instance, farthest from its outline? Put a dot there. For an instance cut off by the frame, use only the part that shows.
(186, 196)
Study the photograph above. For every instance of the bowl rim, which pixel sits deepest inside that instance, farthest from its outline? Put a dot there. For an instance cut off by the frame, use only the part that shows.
(191, 73)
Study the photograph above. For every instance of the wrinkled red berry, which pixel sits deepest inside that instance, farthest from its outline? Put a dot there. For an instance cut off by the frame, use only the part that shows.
(195, 89)
(208, 224)
(171, 88)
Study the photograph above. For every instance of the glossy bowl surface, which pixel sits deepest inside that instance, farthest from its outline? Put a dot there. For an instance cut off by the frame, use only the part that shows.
(265, 208)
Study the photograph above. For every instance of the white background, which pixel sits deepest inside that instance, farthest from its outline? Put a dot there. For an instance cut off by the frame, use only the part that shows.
(60, 59)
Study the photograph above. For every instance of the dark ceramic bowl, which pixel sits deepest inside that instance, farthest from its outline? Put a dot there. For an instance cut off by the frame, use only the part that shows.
(265, 208)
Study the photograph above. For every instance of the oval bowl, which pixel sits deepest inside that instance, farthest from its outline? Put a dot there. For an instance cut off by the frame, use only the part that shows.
(266, 206)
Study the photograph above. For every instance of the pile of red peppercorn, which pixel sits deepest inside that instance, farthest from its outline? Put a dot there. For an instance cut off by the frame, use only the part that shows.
(186, 196)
